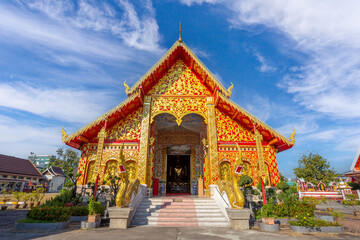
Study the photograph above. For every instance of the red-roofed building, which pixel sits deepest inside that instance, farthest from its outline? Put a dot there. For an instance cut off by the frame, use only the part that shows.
(16, 173)
(354, 175)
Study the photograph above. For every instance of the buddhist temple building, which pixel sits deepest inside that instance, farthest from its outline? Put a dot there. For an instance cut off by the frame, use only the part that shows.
(178, 124)
(354, 174)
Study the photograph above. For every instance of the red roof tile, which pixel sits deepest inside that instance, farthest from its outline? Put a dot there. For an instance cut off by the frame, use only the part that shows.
(18, 166)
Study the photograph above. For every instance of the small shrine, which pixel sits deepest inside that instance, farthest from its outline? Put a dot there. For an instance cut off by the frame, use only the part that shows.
(178, 125)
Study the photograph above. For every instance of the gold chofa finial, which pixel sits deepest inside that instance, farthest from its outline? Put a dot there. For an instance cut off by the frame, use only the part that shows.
(229, 91)
(63, 134)
(180, 39)
(292, 137)
(127, 88)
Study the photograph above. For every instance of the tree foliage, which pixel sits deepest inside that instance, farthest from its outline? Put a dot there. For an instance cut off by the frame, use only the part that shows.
(314, 168)
(68, 160)
(245, 181)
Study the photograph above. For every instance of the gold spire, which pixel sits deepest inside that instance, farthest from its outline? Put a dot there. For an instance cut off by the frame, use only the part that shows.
(180, 39)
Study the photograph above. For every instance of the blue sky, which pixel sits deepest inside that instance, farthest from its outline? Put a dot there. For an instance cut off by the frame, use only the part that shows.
(293, 64)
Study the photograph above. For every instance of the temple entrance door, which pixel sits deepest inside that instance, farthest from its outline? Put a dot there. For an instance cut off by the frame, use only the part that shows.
(178, 174)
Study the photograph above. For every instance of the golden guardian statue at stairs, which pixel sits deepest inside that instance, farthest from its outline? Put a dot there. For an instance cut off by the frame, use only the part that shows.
(231, 187)
(129, 184)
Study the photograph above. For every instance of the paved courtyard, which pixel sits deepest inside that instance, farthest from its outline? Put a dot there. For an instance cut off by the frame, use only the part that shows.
(8, 218)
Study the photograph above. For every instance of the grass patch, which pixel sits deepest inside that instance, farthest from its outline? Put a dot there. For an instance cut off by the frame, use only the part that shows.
(30, 220)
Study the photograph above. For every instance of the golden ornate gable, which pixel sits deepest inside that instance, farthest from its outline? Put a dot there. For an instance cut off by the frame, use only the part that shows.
(180, 81)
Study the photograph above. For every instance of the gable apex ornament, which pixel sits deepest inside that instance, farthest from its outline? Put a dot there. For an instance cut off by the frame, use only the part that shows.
(127, 88)
(180, 39)
(229, 91)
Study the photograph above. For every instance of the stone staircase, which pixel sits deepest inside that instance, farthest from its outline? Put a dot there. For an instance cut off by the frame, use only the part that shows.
(179, 211)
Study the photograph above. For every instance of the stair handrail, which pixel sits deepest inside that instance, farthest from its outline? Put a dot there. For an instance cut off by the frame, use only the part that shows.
(136, 200)
(222, 202)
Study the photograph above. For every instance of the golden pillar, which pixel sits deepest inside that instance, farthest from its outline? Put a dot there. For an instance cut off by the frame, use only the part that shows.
(143, 163)
(212, 141)
(100, 147)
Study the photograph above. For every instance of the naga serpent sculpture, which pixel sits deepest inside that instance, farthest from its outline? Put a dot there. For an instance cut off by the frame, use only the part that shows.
(232, 188)
(129, 184)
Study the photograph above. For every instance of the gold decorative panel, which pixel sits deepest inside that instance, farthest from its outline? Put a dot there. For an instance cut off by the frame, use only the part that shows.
(229, 130)
(179, 80)
(179, 107)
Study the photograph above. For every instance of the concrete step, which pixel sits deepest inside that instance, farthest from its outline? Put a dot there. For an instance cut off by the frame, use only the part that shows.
(180, 219)
(181, 224)
(190, 212)
(212, 206)
(197, 210)
(185, 214)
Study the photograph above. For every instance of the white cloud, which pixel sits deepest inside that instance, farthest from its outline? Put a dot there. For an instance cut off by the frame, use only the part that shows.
(63, 104)
(193, 2)
(141, 32)
(265, 66)
(327, 32)
(302, 126)
(20, 138)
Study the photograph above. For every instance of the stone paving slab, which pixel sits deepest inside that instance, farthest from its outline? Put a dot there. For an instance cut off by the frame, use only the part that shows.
(155, 233)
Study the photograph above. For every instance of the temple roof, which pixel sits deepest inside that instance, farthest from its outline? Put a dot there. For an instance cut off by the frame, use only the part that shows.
(17, 166)
(136, 94)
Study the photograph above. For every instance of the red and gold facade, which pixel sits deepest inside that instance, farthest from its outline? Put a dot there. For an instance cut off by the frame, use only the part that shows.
(177, 103)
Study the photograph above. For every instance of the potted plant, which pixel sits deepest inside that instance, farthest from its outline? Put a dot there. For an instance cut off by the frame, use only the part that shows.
(31, 200)
(94, 210)
(267, 213)
(17, 196)
(25, 197)
(38, 195)
(5, 199)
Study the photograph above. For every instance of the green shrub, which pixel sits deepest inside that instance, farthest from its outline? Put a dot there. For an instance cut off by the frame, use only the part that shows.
(313, 222)
(79, 211)
(64, 197)
(50, 214)
(268, 209)
(312, 200)
(304, 219)
(283, 186)
(354, 186)
(95, 207)
(281, 210)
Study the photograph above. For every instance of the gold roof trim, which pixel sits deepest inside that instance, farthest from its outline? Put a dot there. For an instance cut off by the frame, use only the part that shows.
(157, 64)
(99, 119)
(166, 55)
(253, 119)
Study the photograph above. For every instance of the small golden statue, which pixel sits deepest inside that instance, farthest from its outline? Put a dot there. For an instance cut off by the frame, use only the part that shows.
(232, 188)
(64, 134)
(127, 88)
(229, 91)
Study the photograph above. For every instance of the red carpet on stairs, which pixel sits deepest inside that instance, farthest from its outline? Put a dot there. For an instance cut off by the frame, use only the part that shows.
(177, 211)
